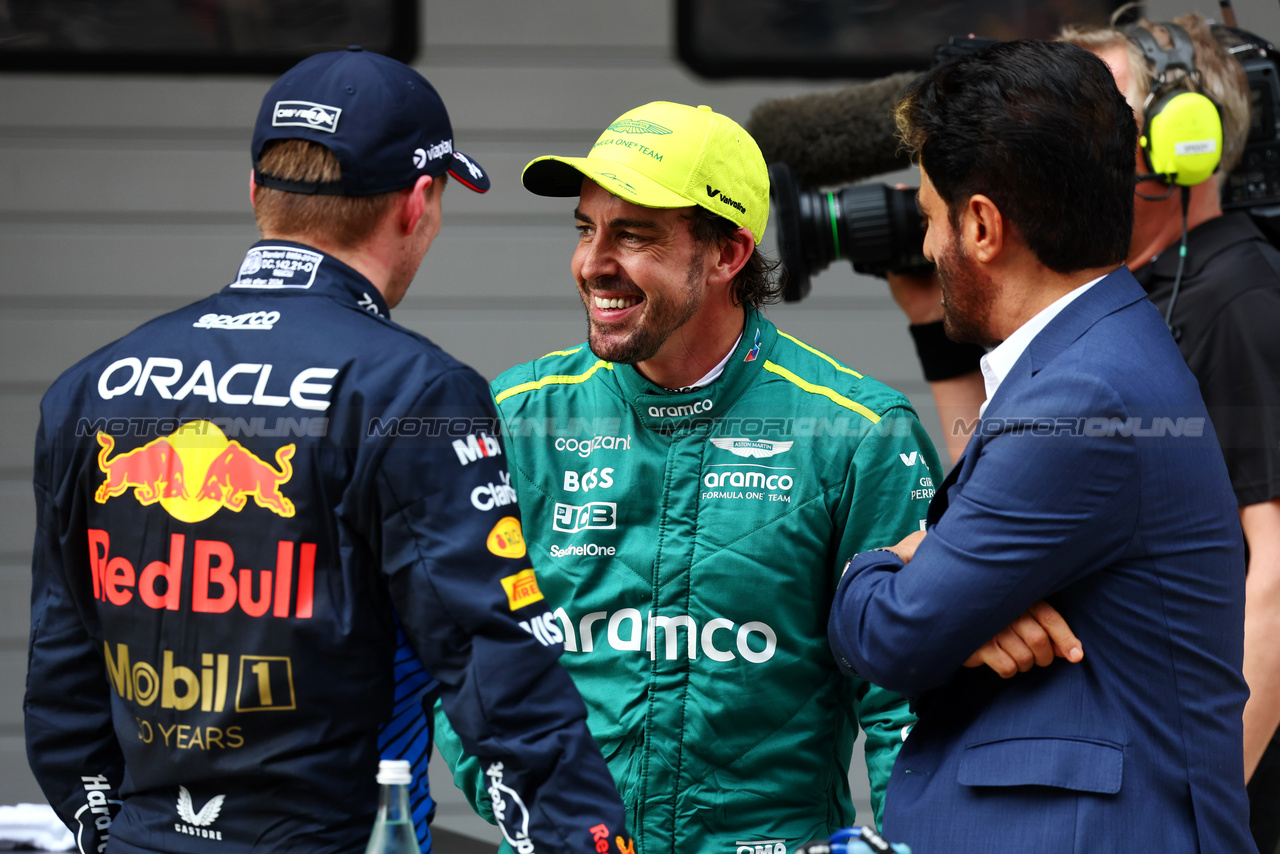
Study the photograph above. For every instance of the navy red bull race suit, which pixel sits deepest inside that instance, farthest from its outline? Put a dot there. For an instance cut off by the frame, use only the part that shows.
(245, 508)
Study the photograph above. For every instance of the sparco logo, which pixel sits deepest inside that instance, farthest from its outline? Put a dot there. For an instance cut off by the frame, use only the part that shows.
(725, 199)
(681, 411)
(598, 515)
(758, 448)
(305, 114)
(628, 630)
(198, 822)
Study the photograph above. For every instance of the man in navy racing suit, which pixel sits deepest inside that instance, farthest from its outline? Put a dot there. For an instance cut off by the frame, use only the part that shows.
(259, 517)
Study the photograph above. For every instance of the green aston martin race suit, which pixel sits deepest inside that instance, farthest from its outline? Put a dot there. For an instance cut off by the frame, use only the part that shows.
(689, 545)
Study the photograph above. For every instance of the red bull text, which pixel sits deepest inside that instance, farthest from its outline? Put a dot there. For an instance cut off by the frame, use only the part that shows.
(216, 586)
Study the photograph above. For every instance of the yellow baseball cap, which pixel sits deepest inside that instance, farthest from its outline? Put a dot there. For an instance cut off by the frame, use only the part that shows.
(666, 155)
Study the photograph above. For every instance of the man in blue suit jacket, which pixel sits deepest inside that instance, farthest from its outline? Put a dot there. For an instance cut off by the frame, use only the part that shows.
(1094, 482)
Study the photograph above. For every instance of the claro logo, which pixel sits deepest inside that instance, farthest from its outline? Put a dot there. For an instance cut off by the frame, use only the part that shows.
(630, 630)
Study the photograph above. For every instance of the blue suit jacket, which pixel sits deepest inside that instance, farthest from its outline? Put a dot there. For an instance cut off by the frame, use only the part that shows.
(1094, 481)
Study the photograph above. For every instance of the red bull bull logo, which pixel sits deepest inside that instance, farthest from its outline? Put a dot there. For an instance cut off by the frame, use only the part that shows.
(152, 471)
(196, 453)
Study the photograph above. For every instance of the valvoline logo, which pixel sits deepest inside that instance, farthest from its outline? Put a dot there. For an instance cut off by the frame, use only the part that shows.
(194, 472)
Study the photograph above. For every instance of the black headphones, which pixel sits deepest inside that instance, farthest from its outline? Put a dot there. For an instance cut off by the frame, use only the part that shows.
(1181, 128)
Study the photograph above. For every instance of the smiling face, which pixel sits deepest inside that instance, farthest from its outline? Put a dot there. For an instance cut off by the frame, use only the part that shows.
(640, 274)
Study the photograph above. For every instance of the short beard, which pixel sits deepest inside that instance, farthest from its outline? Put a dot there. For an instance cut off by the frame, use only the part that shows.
(658, 321)
(967, 297)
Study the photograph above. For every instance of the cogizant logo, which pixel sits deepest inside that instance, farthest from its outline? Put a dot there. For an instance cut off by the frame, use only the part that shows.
(628, 630)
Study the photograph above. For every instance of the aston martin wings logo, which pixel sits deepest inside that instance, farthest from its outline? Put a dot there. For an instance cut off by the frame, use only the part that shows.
(206, 816)
(758, 448)
(637, 126)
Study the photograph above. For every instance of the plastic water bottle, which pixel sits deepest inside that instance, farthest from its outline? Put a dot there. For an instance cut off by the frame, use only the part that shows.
(393, 831)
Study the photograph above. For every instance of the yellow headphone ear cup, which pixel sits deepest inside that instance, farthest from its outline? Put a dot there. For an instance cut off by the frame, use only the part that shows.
(1183, 137)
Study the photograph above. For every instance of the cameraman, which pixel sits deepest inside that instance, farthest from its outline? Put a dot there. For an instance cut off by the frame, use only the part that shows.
(1224, 314)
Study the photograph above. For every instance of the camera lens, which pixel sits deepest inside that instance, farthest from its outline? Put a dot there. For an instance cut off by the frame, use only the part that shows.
(874, 226)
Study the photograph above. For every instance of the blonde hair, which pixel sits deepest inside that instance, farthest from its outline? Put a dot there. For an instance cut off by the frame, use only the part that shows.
(1221, 76)
(341, 220)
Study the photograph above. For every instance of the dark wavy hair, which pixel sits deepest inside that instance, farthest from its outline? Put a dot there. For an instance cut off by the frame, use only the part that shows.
(1041, 129)
(756, 283)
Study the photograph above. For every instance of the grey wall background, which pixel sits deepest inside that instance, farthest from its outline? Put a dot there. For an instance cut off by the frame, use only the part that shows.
(122, 197)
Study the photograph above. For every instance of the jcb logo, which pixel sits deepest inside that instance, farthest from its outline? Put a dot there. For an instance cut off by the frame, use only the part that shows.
(588, 481)
(598, 515)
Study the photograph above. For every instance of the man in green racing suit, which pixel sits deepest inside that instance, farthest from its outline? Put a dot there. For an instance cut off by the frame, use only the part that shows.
(692, 484)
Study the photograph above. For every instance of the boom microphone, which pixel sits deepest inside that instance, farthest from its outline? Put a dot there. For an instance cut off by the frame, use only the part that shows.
(837, 137)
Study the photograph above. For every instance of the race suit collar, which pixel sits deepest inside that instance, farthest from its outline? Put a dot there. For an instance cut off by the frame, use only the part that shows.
(284, 267)
(665, 411)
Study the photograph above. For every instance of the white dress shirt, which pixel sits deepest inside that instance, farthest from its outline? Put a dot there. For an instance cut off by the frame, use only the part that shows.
(997, 363)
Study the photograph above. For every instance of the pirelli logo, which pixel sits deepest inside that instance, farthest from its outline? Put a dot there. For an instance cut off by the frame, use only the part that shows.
(522, 589)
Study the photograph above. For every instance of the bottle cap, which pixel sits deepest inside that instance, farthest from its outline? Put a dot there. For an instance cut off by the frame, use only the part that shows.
(392, 772)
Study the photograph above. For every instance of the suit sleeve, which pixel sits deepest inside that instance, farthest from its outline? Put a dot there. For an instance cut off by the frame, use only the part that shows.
(886, 498)
(999, 547)
(469, 604)
(71, 745)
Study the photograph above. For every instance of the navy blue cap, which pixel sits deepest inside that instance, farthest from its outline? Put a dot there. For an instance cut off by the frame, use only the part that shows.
(382, 120)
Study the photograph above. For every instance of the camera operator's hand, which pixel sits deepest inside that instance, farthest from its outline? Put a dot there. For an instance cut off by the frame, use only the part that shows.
(918, 295)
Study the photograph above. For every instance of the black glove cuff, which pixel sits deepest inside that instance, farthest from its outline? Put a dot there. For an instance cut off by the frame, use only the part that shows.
(942, 358)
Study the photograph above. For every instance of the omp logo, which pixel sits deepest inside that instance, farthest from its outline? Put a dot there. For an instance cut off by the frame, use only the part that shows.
(757, 448)
(251, 320)
(629, 630)
(598, 515)
(522, 589)
(197, 822)
(306, 114)
(474, 446)
(509, 811)
(637, 126)
(763, 846)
